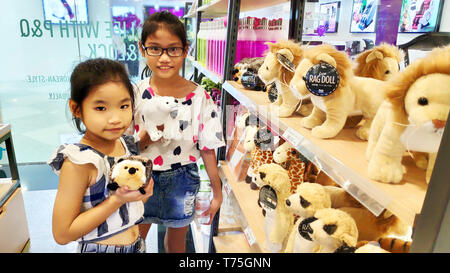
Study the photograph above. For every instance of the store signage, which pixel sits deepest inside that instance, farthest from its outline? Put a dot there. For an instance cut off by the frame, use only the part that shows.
(322, 79)
(128, 51)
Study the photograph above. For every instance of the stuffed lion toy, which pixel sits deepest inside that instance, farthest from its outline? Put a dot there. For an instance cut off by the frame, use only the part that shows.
(412, 118)
(352, 96)
(380, 62)
(272, 70)
(276, 187)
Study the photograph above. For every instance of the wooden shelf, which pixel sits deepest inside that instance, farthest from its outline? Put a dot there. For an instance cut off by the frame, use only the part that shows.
(342, 158)
(209, 74)
(219, 8)
(4, 129)
(235, 243)
(248, 202)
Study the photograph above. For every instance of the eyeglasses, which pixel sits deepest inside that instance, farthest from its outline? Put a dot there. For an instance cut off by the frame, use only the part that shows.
(158, 51)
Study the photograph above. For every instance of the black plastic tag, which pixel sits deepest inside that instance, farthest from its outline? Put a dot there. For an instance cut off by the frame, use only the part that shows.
(285, 62)
(322, 79)
(267, 197)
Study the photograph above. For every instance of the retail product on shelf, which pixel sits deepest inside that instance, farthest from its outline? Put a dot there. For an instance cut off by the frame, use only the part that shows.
(413, 117)
(278, 220)
(380, 62)
(133, 171)
(278, 67)
(326, 74)
(308, 198)
(211, 45)
(333, 230)
(161, 110)
(290, 159)
(203, 198)
(253, 33)
(371, 227)
(260, 143)
(389, 244)
(251, 65)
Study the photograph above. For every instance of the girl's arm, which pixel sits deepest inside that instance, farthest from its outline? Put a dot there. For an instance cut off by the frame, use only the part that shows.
(68, 224)
(209, 159)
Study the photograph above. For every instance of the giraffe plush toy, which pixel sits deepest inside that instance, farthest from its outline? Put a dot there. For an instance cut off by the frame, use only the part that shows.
(289, 158)
(260, 143)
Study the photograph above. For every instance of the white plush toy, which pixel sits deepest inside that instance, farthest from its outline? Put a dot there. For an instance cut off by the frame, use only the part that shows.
(308, 198)
(159, 111)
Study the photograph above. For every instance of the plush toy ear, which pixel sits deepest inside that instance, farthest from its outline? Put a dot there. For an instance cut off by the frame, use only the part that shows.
(323, 57)
(285, 58)
(374, 55)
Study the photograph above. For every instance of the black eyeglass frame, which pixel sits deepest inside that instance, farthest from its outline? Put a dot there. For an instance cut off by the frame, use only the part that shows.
(166, 49)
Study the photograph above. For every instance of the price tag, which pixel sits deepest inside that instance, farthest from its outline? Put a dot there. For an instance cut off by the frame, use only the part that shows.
(292, 137)
(227, 188)
(237, 156)
(248, 233)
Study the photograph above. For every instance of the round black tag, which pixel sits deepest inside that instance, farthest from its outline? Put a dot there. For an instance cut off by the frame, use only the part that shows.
(267, 197)
(322, 79)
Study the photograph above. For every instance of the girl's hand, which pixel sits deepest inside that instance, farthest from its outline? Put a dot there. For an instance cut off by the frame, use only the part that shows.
(214, 206)
(124, 194)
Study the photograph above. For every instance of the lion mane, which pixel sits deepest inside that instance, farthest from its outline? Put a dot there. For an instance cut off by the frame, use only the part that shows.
(296, 50)
(438, 61)
(374, 67)
(344, 66)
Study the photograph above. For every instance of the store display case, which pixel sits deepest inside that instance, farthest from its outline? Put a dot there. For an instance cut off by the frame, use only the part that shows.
(340, 159)
(14, 233)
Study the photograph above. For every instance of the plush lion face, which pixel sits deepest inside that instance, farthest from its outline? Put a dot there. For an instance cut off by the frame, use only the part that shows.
(420, 94)
(427, 102)
(380, 62)
(272, 69)
(322, 53)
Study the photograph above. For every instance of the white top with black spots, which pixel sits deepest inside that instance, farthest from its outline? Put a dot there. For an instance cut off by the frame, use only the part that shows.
(200, 128)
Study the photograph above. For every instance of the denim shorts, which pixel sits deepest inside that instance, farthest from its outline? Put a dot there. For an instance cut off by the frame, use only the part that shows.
(137, 247)
(173, 201)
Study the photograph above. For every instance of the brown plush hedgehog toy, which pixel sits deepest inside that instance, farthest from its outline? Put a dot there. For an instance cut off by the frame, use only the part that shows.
(133, 171)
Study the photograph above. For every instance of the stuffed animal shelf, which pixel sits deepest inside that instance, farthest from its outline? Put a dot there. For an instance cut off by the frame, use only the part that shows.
(307, 199)
(333, 230)
(260, 143)
(278, 220)
(326, 74)
(161, 111)
(412, 118)
(133, 171)
(279, 66)
(289, 158)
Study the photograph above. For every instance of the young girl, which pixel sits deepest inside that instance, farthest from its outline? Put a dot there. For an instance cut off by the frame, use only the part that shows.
(164, 46)
(102, 100)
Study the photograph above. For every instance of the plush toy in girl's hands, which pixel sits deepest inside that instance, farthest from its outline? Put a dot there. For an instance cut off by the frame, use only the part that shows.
(162, 111)
(133, 171)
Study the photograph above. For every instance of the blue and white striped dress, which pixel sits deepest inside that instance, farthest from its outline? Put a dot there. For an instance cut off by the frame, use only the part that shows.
(129, 214)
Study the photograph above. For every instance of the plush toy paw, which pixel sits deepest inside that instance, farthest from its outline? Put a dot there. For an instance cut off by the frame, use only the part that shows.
(310, 122)
(285, 111)
(323, 132)
(385, 169)
(363, 133)
(113, 186)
